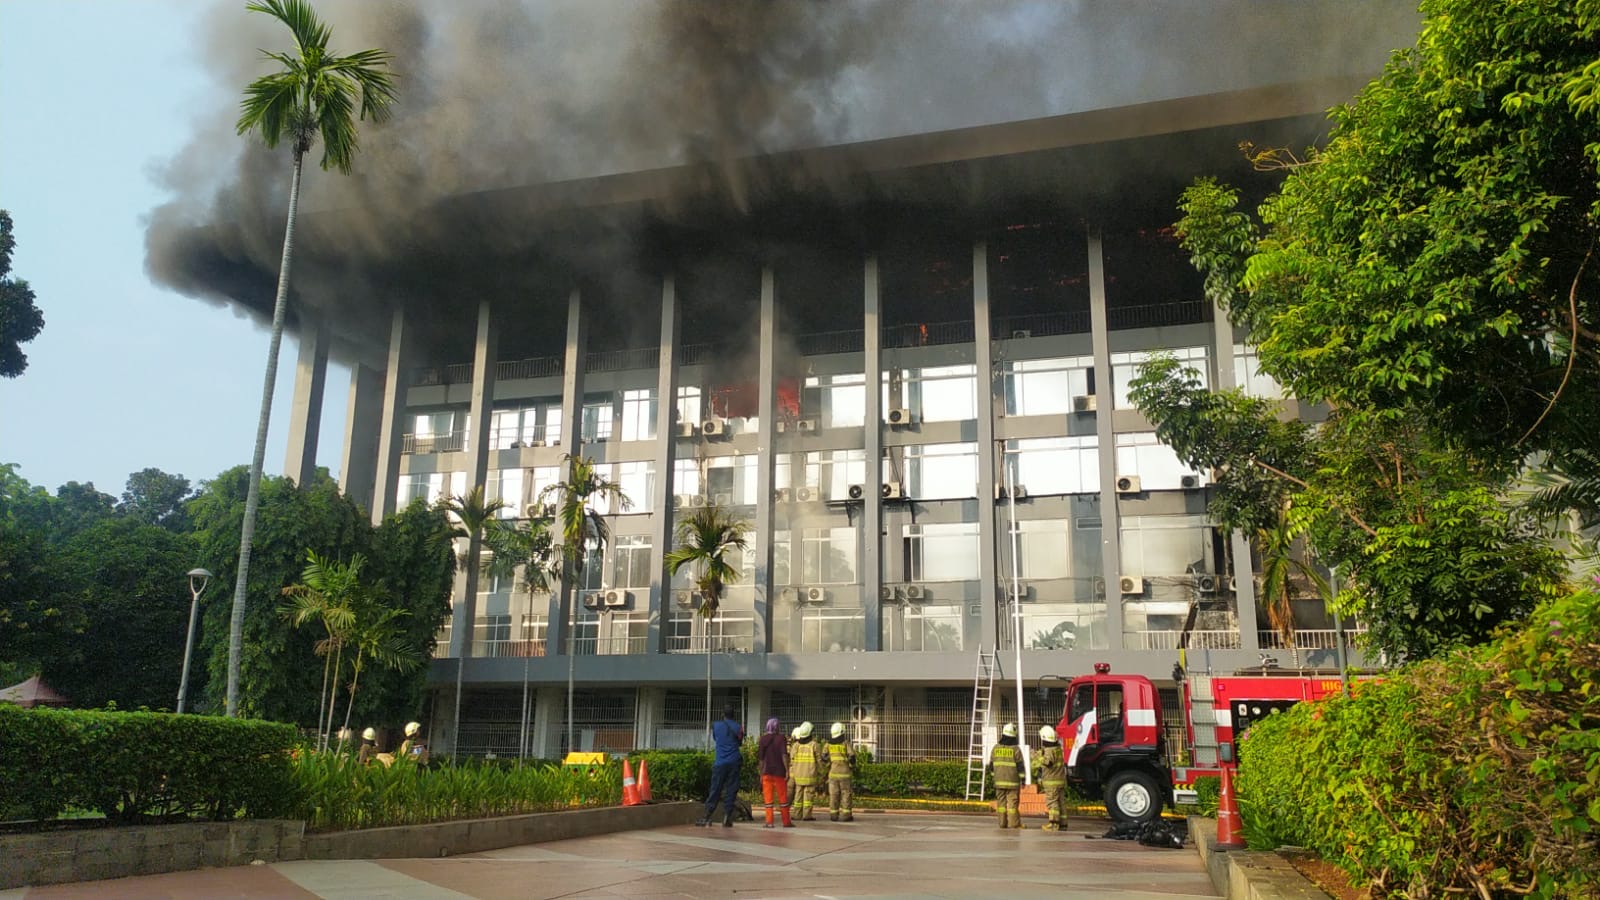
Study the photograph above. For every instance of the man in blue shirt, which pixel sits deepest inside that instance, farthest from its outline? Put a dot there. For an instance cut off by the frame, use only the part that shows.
(727, 734)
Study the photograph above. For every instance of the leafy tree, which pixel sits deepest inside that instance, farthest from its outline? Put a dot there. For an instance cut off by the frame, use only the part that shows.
(326, 595)
(157, 498)
(411, 558)
(581, 528)
(706, 539)
(20, 320)
(36, 620)
(79, 506)
(313, 96)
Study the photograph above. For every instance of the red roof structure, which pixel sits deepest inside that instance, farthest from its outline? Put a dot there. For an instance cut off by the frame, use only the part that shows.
(31, 693)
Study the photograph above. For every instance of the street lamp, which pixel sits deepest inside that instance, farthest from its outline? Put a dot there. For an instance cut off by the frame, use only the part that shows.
(197, 586)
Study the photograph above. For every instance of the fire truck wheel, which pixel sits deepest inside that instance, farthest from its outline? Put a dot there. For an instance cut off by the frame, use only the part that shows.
(1133, 797)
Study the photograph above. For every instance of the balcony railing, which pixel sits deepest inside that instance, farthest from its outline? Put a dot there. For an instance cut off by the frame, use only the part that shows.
(824, 342)
(1168, 640)
(499, 648)
(1156, 315)
(927, 335)
(1309, 639)
(695, 354)
(1043, 324)
(454, 442)
(622, 360)
(539, 367)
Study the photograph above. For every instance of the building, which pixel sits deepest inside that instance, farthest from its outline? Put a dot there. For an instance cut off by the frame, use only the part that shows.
(711, 344)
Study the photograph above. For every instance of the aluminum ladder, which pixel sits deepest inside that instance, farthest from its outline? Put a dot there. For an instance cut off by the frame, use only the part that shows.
(982, 693)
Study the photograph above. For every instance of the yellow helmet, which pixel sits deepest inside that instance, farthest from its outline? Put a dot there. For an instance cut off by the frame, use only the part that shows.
(412, 728)
(804, 731)
(837, 730)
(1047, 734)
(371, 734)
(1010, 730)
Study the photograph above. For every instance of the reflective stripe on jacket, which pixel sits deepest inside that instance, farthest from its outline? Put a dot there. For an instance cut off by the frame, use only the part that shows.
(839, 760)
(1004, 763)
(803, 763)
(1051, 767)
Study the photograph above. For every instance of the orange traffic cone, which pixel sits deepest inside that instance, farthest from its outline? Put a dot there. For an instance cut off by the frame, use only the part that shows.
(630, 790)
(644, 781)
(1230, 830)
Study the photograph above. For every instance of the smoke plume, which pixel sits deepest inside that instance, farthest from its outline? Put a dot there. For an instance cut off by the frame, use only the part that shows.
(497, 97)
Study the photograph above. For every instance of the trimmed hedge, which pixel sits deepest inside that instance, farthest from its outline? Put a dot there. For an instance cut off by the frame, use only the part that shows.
(1478, 773)
(686, 775)
(135, 766)
(1208, 794)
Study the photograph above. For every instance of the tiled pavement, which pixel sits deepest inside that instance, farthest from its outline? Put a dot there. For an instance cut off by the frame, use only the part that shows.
(878, 855)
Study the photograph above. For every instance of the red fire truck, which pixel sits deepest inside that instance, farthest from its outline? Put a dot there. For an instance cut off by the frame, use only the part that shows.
(1112, 732)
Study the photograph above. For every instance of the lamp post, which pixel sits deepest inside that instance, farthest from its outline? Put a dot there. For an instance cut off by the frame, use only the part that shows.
(197, 586)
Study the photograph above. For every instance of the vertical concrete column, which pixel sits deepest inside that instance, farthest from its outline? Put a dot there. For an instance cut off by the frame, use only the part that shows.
(363, 416)
(481, 414)
(767, 349)
(757, 700)
(1105, 436)
(661, 523)
(571, 438)
(396, 379)
(305, 411)
(649, 709)
(544, 735)
(1222, 376)
(872, 503)
(988, 471)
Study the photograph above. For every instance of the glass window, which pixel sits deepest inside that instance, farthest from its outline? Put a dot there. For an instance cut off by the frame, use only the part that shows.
(1248, 376)
(630, 561)
(1165, 545)
(843, 399)
(639, 415)
(689, 406)
(941, 393)
(638, 482)
(1044, 549)
(1125, 367)
(598, 418)
(731, 480)
(493, 628)
(1045, 387)
(833, 471)
(552, 424)
(433, 487)
(512, 427)
(1141, 454)
(935, 471)
(1065, 465)
(781, 548)
(505, 485)
(942, 552)
(543, 477)
(829, 556)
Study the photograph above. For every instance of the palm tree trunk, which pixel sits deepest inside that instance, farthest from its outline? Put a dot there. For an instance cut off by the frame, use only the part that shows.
(253, 496)
(322, 698)
(355, 680)
(333, 691)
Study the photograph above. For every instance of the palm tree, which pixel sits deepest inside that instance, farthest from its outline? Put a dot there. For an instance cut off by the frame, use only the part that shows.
(706, 538)
(314, 95)
(1279, 566)
(580, 527)
(327, 593)
(478, 521)
(378, 636)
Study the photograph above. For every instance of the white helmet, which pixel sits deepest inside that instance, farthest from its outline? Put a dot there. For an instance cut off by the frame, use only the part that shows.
(412, 728)
(794, 733)
(804, 731)
(371, 734)
(1010, 730)
(837, 730)
(1047, 734)
(345, 734)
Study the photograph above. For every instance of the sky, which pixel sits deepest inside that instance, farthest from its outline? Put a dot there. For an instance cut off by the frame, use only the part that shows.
(125, 375)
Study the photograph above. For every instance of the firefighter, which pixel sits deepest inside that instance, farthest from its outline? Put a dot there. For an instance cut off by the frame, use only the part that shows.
(803, 767)
(841, 775)
(788, 753)
(1052, 769)
(413, 747)
(369, 746)
(1007, 780)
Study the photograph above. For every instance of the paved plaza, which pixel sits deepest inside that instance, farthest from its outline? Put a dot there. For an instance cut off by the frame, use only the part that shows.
(878, 855)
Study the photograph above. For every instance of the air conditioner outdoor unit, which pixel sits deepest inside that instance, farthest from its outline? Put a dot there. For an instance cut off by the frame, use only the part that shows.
(1129, 484)
(783, 495)
(807, 426)
(864, 712)
(1099, 586)
(1021, 333)
(515, 445)
(617, 598)
(806, 494)
(686, 429)
(899, 416)
(1023, 590)
(684, 599)
(1206, 584)
(857, 491)
(533, 511)
(916, 592)
(681, 501)
(893, 490)
(1019, 491)
(714, 427)
(536, 443)
(1084, 404)
(815, 595)
(886, 593)
(723, 499)
(697, 500)
(591, 600)
(1190, 482)
(1132, 584)
(782, 427)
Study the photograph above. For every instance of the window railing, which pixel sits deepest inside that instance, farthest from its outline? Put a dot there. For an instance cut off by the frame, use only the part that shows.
(458, 373)
(454, 442)
(824, 342)
(695, 354)
(927, 334)
(1043, 324)
(499, 648)
(1309, 639)
(1156, 315)
(622, 360)
(1168, 640)
(538, 367)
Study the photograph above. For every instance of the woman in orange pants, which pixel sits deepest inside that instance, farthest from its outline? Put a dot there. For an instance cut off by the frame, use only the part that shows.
(773, 756)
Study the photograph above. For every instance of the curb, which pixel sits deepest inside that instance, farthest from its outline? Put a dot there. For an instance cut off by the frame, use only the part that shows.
(1249, 874)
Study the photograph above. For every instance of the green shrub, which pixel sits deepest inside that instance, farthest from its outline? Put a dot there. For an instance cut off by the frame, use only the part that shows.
(934, 778)
(679, 774)
(338, 793)
(1478, 773)
(1207, 792)
(133, 766)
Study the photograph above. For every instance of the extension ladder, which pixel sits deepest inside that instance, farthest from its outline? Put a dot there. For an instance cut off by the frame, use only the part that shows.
(982, 692)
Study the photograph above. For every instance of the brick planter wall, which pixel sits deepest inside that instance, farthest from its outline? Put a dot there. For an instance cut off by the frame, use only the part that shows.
(478, 835)
(54, 857)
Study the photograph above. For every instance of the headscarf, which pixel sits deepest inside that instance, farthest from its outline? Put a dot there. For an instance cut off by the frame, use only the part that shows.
(772, 725)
